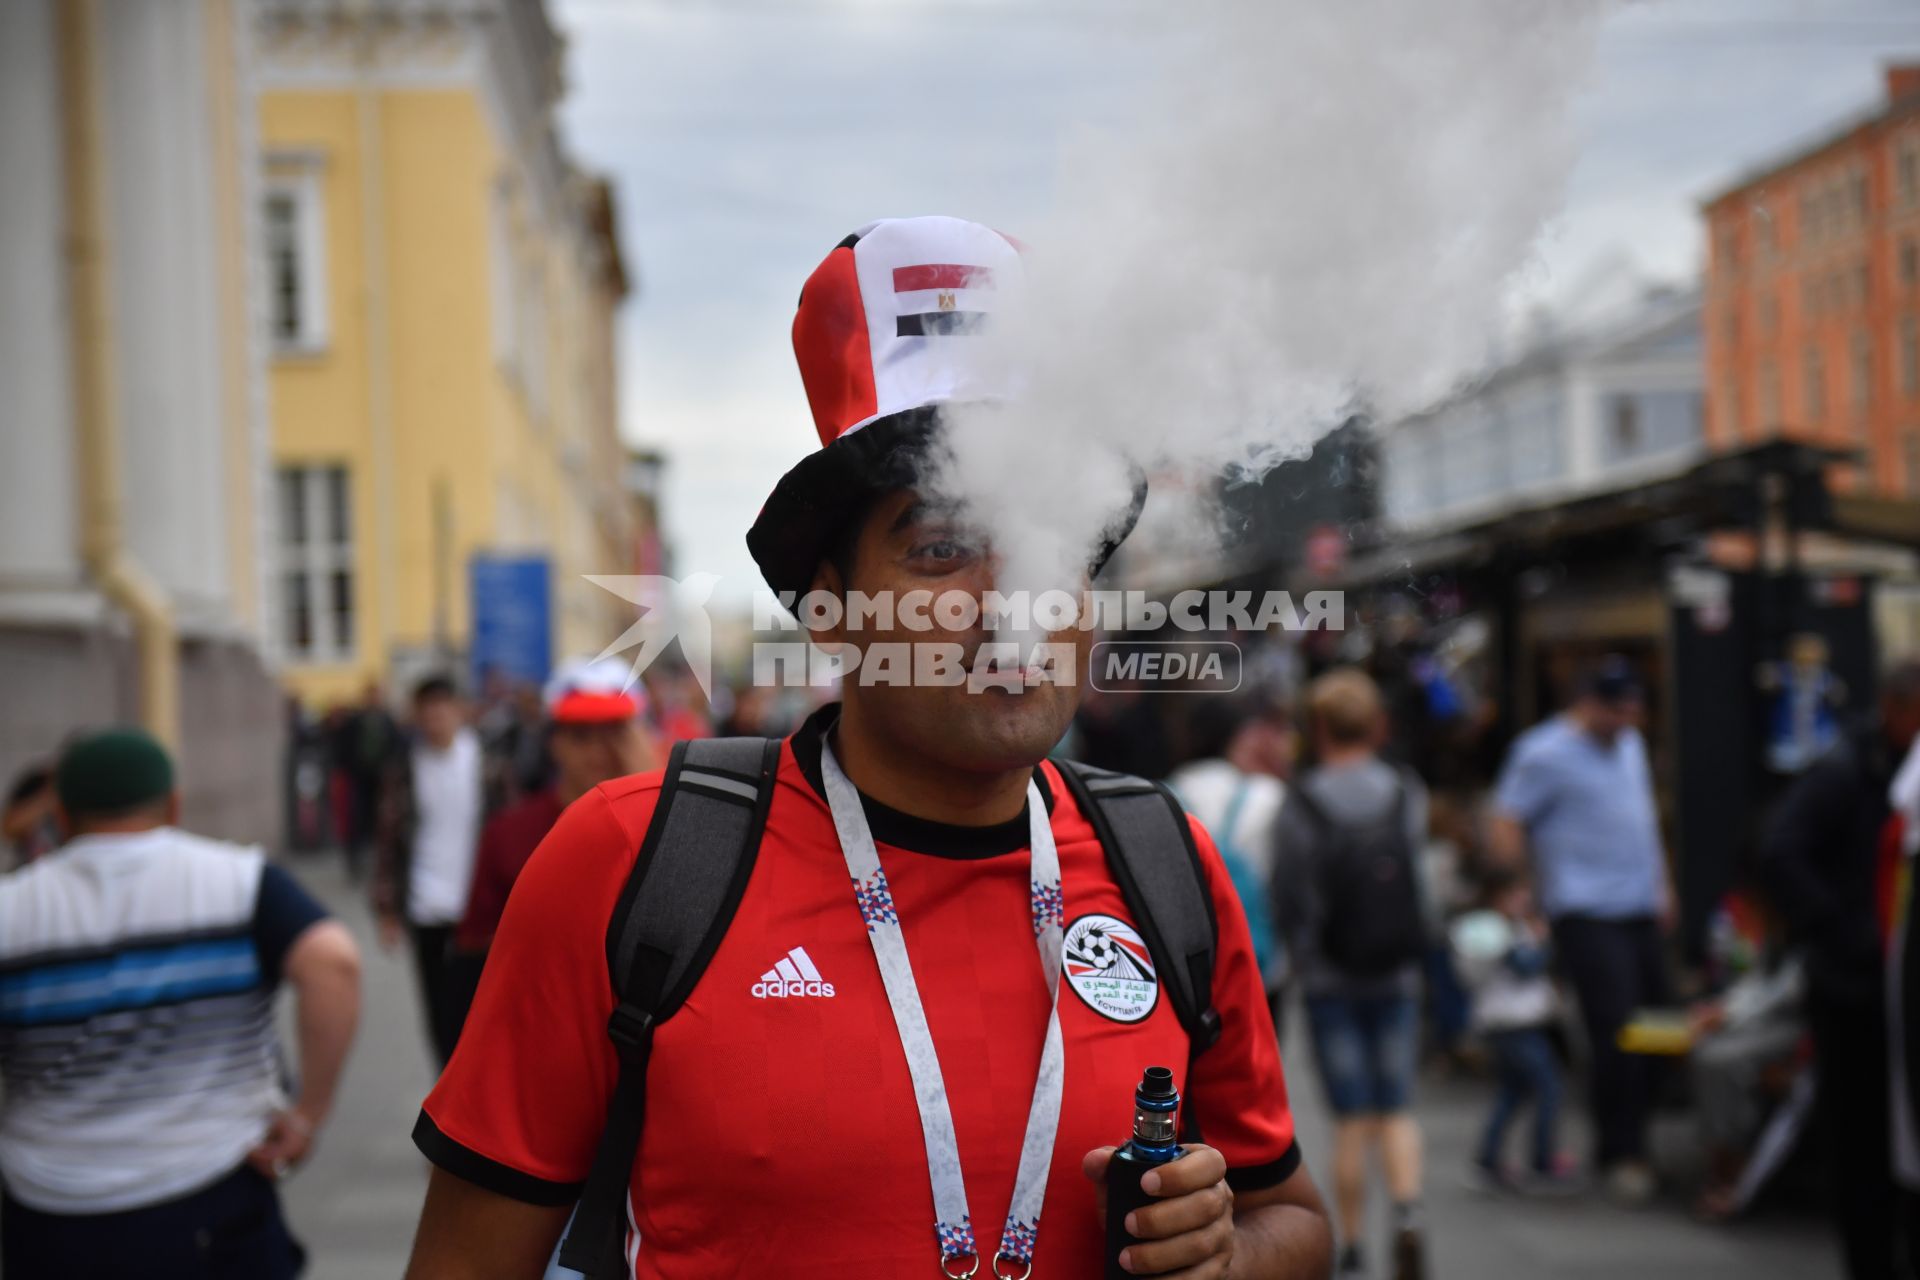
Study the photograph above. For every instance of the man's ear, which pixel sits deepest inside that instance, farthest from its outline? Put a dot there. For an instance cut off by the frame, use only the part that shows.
(828, 582)
(173, 808)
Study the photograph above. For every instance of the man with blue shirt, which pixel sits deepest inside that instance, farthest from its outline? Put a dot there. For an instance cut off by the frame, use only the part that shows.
(1577, 794)
(146, 1115)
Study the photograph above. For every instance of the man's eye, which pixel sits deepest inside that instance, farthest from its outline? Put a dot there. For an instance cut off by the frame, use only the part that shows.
(941, 550)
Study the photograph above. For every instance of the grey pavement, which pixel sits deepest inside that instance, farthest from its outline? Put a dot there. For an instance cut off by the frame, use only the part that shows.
(356, 1202)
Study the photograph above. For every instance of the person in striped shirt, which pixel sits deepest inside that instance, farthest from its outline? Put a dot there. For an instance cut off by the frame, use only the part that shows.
(147, 1111)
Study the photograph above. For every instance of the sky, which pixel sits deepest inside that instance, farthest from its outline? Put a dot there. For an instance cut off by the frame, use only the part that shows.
(746, 137)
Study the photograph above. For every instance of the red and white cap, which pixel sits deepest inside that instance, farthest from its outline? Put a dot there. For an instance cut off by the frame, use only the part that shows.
(593, 691)
(887, 333)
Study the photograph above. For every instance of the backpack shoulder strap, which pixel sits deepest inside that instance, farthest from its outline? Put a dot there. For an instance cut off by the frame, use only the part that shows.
(1325, 829)
(686, 883)
(1150, 848)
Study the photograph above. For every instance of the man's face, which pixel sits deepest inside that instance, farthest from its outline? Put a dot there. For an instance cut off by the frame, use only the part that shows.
(1606, 720)
(1274, 747)
(586, 755)
(907, 545)
(439, 718)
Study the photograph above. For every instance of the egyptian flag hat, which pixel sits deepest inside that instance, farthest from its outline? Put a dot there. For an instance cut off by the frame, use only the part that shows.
(886, 335)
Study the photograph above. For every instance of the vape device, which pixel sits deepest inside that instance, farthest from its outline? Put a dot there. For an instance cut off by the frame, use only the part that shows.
(1155, 1105)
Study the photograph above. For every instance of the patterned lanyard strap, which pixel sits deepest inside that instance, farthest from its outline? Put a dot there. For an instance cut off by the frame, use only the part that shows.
(953, 1226)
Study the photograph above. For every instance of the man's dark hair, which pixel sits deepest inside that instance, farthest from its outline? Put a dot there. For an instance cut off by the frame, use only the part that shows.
(846, 538)
(1610, 681)
(437, 685)
(1219, 717)
(35, 779)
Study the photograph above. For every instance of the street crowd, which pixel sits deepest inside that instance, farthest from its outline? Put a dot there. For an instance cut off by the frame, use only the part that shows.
(1331, 857)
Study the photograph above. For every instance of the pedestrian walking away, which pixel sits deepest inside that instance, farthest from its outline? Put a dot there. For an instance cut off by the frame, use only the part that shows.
(1821, 858)
(1575, 802)
(145, 1120)
(431, 809)
(1244, 747)
(1348, 895)
(894, 946)
(365, 743)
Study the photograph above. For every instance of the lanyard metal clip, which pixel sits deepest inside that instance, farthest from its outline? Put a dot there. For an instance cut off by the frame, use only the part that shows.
(1026, 1267)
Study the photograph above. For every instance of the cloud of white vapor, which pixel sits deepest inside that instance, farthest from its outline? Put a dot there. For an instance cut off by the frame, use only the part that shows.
(1321, 203)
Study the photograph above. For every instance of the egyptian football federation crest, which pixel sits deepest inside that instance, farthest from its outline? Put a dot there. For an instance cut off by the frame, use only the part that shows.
(1108, 966)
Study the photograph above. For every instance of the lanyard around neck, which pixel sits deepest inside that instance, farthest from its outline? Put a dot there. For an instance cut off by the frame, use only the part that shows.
(953, 1226)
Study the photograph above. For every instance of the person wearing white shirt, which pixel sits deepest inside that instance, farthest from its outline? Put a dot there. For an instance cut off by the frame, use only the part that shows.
(431, 812)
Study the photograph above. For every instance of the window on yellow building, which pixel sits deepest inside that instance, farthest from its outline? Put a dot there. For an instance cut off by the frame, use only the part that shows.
(295, 266)
(316, 563)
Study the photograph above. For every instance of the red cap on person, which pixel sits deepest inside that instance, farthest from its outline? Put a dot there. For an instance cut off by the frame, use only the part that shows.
(593, 691)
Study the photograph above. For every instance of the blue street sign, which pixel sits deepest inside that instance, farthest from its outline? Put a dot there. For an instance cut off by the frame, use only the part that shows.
(512, 602)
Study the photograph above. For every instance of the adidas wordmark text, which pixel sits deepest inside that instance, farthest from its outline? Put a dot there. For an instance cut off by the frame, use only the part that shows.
(794, 976)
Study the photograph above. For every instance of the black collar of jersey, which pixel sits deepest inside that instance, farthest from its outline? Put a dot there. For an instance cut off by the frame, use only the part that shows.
(891, 826)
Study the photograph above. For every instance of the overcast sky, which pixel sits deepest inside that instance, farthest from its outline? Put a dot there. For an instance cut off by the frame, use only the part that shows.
(746, 137)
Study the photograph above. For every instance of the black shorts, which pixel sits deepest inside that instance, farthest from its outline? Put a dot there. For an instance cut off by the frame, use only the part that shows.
(232, 1230)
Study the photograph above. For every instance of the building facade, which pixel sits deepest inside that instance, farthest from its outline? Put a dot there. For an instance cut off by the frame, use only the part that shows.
(134, 466)
(1813, 296)
(1617, 401)
(443, 289)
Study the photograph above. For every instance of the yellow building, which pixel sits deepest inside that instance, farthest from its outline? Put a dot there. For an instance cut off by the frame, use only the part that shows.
(442, 292)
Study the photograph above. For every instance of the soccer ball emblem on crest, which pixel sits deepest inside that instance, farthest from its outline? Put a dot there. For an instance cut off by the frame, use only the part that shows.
(1099, 949)
(1108, 966)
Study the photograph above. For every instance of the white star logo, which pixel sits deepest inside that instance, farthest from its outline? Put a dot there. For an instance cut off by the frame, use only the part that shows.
(669, 608)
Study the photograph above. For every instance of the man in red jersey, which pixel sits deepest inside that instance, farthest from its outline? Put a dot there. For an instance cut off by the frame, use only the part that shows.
(785, 1130)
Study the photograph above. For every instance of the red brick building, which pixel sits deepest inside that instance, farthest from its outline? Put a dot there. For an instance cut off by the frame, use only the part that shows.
(1812, 309)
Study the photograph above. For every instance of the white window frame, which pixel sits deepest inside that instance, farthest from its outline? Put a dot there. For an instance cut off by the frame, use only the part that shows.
(299, 182)
(319, 557)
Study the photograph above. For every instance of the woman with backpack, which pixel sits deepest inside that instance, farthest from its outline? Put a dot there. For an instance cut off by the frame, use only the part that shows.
(1350, 905)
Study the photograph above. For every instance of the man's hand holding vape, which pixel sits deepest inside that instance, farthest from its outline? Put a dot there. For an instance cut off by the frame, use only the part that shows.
(1200, 1229)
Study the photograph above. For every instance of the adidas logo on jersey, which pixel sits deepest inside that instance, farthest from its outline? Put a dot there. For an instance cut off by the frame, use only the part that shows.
(793, 977)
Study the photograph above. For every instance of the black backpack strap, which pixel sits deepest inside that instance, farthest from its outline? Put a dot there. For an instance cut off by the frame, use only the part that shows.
(693, 866)
(1141, 826)
(1316, 812)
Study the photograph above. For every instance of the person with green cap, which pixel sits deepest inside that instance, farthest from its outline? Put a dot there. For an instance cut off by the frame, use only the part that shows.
(145, 1118)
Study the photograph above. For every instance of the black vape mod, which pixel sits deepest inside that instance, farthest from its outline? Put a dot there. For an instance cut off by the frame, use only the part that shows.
(1155, 1104)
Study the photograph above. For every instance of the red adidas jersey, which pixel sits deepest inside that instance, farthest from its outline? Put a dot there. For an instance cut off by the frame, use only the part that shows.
(781, 1131)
